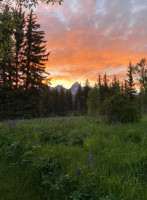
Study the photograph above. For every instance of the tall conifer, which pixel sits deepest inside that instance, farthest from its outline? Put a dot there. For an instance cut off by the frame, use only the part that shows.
(35, 54)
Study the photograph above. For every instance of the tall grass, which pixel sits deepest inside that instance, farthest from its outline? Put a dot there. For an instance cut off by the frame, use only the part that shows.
(77, 158)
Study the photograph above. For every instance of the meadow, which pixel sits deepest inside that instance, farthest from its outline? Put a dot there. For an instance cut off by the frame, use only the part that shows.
(73, 158)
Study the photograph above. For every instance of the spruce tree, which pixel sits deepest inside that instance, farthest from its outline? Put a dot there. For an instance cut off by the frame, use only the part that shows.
(141, 70)
(104, 90)
(130, 85)
(68, 101)
(99, 81)
(61, 102)
(6, 53)
(35, 54)
(19, 25)
(78, 100)
(85, 96)
(115, 87)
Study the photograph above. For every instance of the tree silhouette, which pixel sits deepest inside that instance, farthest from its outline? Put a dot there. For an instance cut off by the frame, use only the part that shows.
(35, 54)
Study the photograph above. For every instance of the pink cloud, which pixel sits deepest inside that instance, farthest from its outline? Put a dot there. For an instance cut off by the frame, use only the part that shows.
(87, 37)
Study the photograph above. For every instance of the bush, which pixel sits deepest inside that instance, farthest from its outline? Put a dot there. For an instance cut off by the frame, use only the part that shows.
(120, 108)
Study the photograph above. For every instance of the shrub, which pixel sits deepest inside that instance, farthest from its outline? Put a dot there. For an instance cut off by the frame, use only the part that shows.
(120, 108)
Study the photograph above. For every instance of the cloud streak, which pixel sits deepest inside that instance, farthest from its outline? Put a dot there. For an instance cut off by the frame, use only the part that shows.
(88, 37)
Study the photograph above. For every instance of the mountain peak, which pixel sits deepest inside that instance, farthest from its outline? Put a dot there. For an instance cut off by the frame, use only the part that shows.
(74, 88)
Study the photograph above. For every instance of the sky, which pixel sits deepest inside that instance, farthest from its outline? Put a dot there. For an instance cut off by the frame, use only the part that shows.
(88, 37)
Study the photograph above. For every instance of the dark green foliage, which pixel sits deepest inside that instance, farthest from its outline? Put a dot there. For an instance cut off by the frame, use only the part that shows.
(21, 65)
(115, 86)
(80, 101)
(93, 101)
(35, 54)
(141, 70)
(19, 33)
(6, 51)
(85, 92)
(120, 108)
(129, 84)
(48, 169)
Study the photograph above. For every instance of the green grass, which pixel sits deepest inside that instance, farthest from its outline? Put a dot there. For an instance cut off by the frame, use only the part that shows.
(39, 160)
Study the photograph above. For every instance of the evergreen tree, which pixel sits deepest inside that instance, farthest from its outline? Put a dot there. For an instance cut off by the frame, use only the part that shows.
(115, 87)
(104, 89)
(68, 101)
(130, 85)
(141, 70)
(55, 101)
(6, 53)
(99, 81)
(19, 24)
(85, 97)
(78, 100)
(61, 102)
(122, 89)
(35, 54)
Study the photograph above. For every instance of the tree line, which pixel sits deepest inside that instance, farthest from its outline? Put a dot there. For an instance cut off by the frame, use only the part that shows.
(118, 101)
(24, 84)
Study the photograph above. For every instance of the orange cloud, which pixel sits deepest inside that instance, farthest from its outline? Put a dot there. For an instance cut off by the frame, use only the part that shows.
(90, 37)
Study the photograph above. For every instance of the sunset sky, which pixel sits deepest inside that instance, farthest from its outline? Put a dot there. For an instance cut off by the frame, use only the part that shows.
(87, 37)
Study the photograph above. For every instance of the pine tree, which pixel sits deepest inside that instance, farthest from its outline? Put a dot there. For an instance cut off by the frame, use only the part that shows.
(85, 96)
(99, 81)
(78, 100)
(6, 53)
(122, 89)
(104, 89)
(61, 102)
(35, 54)
(105, 81)
(141, 70)
(68, 101)
(19, 24)
(130, 85)
(115, 87)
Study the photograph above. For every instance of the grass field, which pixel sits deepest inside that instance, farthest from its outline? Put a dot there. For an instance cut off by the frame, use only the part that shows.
(77, 158)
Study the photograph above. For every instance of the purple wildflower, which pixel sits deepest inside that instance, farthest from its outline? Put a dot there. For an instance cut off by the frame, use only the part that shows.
(90, 159)
(37, 130)
(26, 139)
(36, 141)
(14, 124)
(10, 127)
(78, 170)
